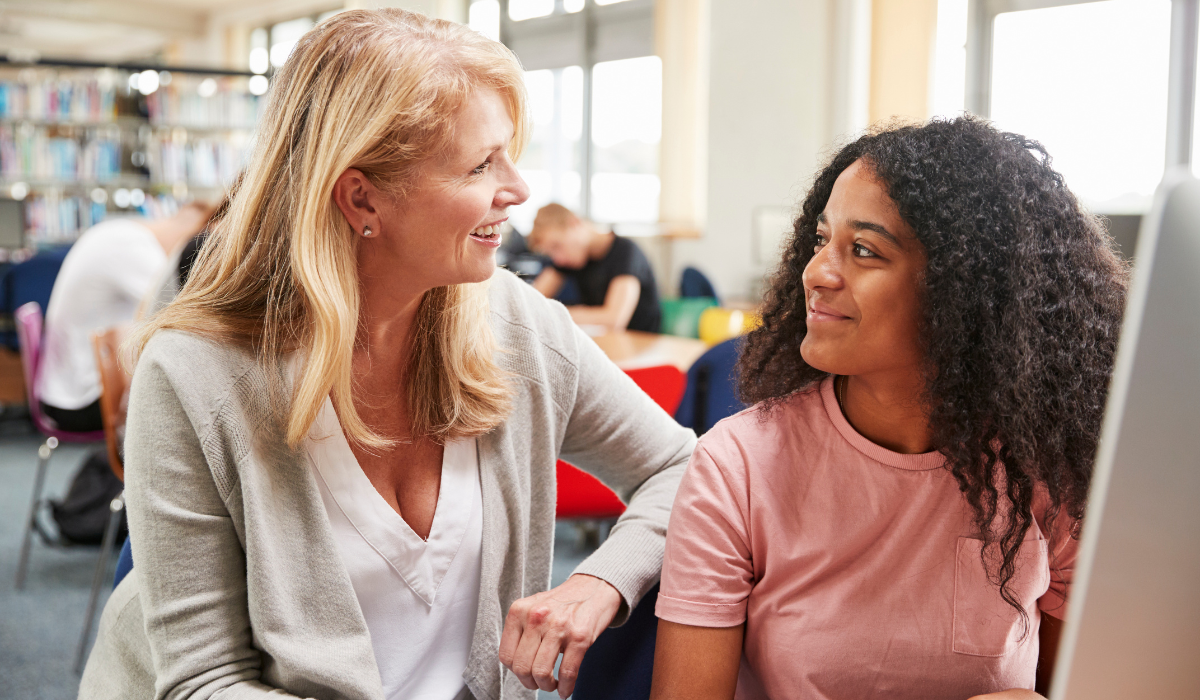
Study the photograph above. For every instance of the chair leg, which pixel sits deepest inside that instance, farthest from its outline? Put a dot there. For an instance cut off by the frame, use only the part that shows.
(106, 549)
(39, 480)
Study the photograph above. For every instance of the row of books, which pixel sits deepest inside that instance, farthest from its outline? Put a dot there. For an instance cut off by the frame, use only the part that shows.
(94, 155)
(34, 154)
(208, 103)
(78, 98)
(199, 163)
(52, 219)
(89, 97)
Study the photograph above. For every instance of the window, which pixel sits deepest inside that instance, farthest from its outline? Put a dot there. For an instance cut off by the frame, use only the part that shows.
(626, 129)
(595, 92)
(948, 96)
(1090, 82)
(551, 164)
(270, 46)
(528, 9)
(284, 37)
(484, 17)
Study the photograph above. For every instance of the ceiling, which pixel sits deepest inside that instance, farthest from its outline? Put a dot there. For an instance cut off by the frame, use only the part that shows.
(113, 30)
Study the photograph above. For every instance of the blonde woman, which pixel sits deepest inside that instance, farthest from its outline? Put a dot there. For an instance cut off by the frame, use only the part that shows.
(342, 435)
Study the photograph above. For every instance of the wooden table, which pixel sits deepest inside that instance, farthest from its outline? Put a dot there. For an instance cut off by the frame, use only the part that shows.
(633, 349)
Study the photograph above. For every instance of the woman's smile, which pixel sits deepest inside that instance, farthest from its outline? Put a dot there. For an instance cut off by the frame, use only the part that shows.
(488, 234)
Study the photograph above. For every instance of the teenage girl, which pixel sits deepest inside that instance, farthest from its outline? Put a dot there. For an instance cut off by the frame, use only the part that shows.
(897, 516)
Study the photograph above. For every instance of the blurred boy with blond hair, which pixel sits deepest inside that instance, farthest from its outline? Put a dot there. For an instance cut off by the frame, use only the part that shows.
(614, 277)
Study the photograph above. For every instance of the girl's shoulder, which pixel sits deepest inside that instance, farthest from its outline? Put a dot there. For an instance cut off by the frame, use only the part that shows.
(803, 406)
(770, 430)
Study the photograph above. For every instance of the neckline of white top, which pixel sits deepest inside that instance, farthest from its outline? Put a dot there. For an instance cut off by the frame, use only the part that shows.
(421, 563)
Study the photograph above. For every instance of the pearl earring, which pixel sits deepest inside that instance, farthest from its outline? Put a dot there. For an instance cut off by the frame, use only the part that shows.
(367, 232)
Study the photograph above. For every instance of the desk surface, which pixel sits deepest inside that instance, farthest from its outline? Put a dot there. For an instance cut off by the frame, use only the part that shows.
(633, 349)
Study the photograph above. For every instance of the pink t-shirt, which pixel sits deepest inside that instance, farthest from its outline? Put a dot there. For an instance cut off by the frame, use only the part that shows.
(856, 569)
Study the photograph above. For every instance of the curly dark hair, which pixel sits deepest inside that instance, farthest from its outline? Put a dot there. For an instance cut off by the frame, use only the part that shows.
(1022, 300)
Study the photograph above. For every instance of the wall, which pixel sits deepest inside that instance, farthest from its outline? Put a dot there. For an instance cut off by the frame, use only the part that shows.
(903, 34)
(769, 120)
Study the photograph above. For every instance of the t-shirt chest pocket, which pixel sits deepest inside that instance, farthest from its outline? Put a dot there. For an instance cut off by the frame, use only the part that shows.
(984, 623)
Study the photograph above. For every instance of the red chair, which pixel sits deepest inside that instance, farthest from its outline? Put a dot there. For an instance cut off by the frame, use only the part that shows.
(582, 496)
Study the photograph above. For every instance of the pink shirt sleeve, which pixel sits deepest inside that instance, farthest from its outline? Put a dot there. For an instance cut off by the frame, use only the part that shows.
(707, 568)
(1063, 549)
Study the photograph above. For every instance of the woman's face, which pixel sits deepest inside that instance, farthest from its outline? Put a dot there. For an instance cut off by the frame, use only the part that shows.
(447, 229)
(862, 289)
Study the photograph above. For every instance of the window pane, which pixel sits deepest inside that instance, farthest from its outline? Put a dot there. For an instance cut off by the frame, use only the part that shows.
(626, 130)
(950, 60)
(572, 5)
(528, 9)
(1090, 82)
(551, 162)
(284, 37)
(608, 2)
(484, 17)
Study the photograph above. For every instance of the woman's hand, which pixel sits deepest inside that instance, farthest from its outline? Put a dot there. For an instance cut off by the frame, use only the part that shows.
(565, 620)
(1010, 695)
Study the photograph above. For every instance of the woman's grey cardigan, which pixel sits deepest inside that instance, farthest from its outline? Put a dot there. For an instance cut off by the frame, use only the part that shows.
(238, 589)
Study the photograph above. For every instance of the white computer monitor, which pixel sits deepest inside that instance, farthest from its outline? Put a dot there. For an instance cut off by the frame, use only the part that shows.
(1133, 626)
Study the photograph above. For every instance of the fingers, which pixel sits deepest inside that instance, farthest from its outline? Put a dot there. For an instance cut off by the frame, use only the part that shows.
(577, 642)
(547, 657)
(565, 620)
(513, 626)
(533, 617)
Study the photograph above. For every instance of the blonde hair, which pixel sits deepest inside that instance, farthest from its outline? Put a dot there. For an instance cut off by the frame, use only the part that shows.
(552, 216)
(376, 90)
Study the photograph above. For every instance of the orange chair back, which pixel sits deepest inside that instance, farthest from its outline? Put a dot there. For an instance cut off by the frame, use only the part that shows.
(114, 383)
(581, 495)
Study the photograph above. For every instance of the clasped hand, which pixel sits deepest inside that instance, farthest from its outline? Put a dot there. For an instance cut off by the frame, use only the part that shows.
(563, 620)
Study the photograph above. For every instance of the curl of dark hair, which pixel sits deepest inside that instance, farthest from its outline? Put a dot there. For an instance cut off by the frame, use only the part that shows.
(1021, 308)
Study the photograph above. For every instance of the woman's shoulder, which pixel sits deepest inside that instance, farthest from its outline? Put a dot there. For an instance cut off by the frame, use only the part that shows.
(522, 317)
(178, 351)
(197, 370)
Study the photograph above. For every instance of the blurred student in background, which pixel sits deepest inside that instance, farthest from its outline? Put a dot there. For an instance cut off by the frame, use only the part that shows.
(897, 517)
(103, 280)
(613, 275)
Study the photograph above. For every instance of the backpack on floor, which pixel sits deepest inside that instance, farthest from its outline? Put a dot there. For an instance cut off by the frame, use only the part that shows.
(83, 513)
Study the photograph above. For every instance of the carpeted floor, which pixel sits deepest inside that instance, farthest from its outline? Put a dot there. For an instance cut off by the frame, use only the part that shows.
(40, 625)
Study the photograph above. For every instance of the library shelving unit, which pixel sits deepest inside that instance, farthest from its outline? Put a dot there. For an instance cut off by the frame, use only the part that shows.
(81, 141)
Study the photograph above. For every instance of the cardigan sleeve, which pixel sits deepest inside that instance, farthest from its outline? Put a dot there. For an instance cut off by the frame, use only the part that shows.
(190, 567)
(622, 437)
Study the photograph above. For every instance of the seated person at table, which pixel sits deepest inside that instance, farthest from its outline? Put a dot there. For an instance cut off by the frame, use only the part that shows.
(897, 516)
(612, 273)
(103, 279)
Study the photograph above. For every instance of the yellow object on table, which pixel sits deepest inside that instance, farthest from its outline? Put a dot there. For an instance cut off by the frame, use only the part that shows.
(719, 324)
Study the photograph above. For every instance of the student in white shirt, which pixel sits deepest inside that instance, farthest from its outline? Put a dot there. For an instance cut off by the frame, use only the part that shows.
(101, 283)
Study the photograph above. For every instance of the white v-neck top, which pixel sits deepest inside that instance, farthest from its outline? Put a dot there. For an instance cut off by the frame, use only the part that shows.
(419, 597)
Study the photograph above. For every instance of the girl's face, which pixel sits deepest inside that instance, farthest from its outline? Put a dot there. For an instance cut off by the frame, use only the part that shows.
(862, 289)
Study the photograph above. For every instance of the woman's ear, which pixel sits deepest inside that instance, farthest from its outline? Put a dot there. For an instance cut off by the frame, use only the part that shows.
(358, 200)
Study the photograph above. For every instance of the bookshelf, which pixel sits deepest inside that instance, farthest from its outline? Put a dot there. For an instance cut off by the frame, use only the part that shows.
(79, 142)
